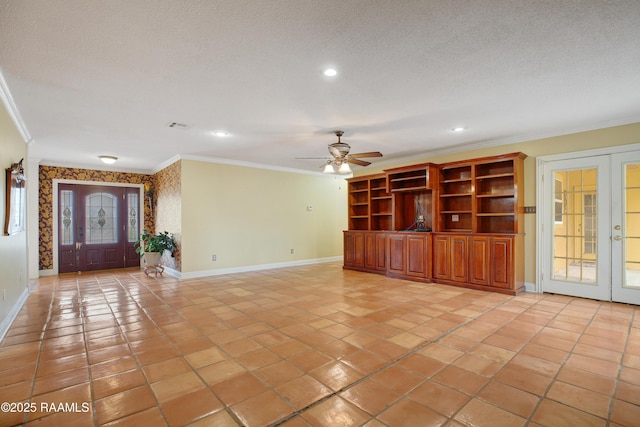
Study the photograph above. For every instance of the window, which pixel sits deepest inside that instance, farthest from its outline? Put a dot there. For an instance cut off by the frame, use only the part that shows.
(101, 218)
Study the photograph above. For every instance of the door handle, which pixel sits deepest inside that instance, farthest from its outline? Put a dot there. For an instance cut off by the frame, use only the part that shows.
(78, 245)
(617, 237)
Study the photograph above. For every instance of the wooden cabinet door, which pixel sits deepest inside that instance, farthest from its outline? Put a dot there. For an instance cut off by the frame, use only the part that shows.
(459, 258)
(501, 257)
(381, 252)
(370, 251)
(375, 251)
(441, 256)
(417, 263)
(354, 249)
(479, 260)
(396, 254)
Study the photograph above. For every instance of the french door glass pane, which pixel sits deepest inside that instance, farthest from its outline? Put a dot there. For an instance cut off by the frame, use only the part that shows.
(101, 218)
(574, 238)
(632, 226)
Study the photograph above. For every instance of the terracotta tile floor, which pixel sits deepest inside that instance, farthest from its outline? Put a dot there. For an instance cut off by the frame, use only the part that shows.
(317, 346)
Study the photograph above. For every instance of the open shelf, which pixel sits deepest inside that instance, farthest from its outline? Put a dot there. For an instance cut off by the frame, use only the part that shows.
(498, 193)
(456, 198)
(412, 178)
(370, 205)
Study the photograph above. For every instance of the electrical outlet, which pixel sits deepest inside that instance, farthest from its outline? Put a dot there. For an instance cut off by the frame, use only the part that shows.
(529, 209)
(455, 218)
(309, 207)
(291, 250)
(213, 257)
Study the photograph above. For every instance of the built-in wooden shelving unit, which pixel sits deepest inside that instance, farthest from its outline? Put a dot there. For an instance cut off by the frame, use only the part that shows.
(474, 209)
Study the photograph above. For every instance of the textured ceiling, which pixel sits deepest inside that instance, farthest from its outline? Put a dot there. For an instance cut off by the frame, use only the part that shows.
(106, 77)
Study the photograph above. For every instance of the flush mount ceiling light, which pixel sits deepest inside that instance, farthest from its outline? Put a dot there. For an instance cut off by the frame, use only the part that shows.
(109, 160)
(330, 72)
(458, 129)
(220, 133)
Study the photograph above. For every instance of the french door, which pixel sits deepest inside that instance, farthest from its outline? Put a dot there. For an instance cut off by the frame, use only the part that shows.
(97, 227)
(591, 227)
(626, 229)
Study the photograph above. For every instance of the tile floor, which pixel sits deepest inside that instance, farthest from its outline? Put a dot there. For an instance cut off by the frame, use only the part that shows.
(317, 346)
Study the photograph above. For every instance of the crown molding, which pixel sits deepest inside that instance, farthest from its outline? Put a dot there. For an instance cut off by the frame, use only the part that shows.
(12, 109)
(479, 145)
(165, 164)
(252, 165)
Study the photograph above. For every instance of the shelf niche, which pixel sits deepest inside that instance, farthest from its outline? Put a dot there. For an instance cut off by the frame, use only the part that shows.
(407, 208)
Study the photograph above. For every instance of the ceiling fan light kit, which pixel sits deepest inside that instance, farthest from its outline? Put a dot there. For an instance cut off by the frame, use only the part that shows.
(328, 168)
(341, 158)
(344, 168)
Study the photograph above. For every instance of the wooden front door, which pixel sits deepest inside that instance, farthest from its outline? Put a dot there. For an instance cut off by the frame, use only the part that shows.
(98, 227)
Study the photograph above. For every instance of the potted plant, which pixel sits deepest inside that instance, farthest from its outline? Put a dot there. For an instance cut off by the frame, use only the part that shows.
(151, 247)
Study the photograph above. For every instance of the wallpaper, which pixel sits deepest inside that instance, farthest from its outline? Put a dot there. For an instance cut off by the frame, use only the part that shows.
(168, 208)
(45, 200)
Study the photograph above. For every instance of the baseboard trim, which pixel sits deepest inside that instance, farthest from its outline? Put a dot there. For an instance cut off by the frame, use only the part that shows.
(530, 287)
(44, 273)
(13, 313)
(244, 269)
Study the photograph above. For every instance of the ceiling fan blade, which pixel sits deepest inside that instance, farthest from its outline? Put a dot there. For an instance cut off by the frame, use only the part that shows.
(368, 154)
(355, 161)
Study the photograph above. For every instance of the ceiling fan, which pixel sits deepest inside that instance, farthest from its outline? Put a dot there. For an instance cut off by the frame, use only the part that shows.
(341, 158)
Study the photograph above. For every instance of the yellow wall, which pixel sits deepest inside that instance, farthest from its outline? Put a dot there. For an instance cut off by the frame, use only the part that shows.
(13, 249)
(247, 216)
(600, 138)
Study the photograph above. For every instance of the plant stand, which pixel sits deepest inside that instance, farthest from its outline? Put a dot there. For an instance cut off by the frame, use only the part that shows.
(155, 269)
(151, 261)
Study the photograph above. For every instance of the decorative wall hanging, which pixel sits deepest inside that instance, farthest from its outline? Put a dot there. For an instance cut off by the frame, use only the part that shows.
(15, 200)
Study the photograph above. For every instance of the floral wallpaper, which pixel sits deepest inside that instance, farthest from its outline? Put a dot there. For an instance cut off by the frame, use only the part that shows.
(45, 200)
(168, 208)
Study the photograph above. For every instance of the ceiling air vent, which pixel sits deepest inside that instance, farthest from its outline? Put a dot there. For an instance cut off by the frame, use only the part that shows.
(177, 125)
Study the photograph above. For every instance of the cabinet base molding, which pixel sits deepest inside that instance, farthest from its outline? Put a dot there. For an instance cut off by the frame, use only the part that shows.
(513, 292)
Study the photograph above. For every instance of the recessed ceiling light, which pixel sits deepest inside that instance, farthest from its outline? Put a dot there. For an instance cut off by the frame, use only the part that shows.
(220, 133)
(330, 72)
(109, 160)
(458, 129)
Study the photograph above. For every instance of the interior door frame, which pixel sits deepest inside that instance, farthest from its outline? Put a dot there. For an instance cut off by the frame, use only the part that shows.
(56, 207)
(541, 202)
